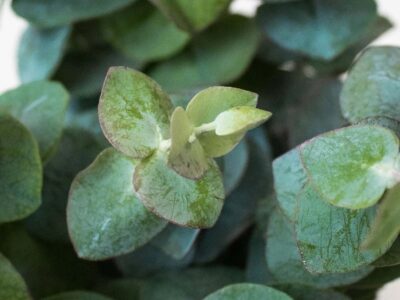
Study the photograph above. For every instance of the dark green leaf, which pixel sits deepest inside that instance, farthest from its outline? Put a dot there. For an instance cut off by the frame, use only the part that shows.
(20, 171)
(77, 295)
(142, 33)
(183, 201)
(122, 289)
(133, 112)
(12, 285)
(40, 51)
(105, 218)
(41, 107)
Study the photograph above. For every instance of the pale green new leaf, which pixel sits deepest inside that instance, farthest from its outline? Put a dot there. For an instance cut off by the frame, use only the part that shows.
(142, 33)
(186, 155)
(40, 51)
(351, 167)
(43, 13)
(41, 107)
(192, 15)
(386, 226)
(183, 201)
(247, 291)
(12, 285)
(373, 86)
(105, 218)
(239, 119)
(20, 171)
(133, 112)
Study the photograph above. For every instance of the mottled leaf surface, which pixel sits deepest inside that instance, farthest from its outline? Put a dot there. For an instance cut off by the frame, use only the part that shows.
(58, 12)
(352, 167)
(20, 171)
(41, 107)
(317, 34)
(12, 285)
(183, 201)
(247, 291)
(40, 51)
(373, 85)
(133, 112)
(192, 15)
(132, 31)
(104, 216)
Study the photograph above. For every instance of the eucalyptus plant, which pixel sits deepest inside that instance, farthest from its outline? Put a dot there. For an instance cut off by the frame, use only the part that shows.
(136, 161)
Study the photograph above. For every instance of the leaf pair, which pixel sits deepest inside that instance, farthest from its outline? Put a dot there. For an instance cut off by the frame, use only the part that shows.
(31, 121)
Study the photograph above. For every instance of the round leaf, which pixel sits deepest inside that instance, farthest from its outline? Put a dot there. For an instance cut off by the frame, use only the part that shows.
(247, 291)
(12, 285)
(373, 86)
(183, 201)
(105, 218)
(44, 14)
(133, 112)
(40, 52)
(186, 156)
(20, 171)
(353, 166)
(312, 27)
(41, 107)
(132, 31)
(239, 119)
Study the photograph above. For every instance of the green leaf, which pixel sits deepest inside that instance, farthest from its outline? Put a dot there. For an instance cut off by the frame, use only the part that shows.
(176, 241)
(12, 285)
(373, 85)
(132, 31)
(285, 262)
(183, 201)
(121, 289)
(317, 34)
(190, 284)
(133, 112)
(186, 155)
(82, 72)
(301, 292)
(217, 56)
(20, 171)
(41, 107)
(40, 51)
(192, 15)
(207, 105)
(58, 12)
(386, 226)
(352, 167)
(48, 222)
(77, 295)
(148, 260)
(239, 119)
(247, 291)
(105, 219)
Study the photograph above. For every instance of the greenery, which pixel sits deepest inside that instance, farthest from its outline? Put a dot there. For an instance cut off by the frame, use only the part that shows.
(139, 158)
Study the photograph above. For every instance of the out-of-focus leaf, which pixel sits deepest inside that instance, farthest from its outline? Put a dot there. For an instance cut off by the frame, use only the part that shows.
(378, 278)
(41, 107)
(58, 12)
(247, 291)
(190, 284)
(300, 292)
(105, 218)
(133, 112)
(192, 15)
(143, 34)
(122, 289)
(391, 257)
(77, 295)
(317, 33)
(176, 241)
(373, 85)
(76, 151)
(20, 171)
(351, 167)
(12, 285)
(40, 51)
(183, 201)
(217, 56)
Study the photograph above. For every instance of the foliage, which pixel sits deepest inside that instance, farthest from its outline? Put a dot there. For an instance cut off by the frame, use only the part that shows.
(162, 182)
